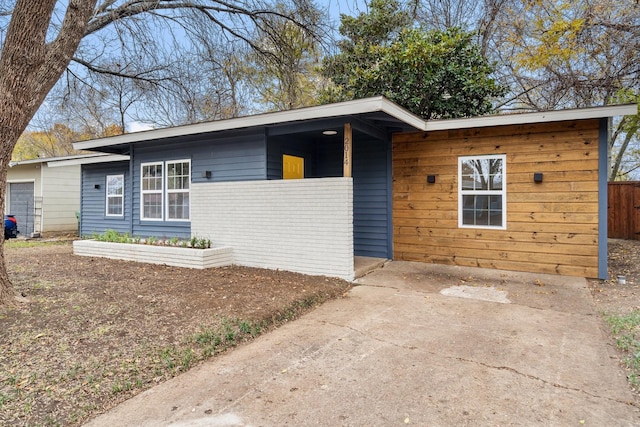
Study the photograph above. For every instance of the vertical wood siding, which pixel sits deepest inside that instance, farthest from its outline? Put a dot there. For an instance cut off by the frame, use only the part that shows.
(552, 227)
(624, 210)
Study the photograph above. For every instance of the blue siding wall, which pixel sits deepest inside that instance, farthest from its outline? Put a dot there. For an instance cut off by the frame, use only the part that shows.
(93, 200)
(238, 156)
(372, 197)
(242, 156)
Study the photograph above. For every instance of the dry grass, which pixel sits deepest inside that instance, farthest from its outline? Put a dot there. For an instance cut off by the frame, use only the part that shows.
(99, 331)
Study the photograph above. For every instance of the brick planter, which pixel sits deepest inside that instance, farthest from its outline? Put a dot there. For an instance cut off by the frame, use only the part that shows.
(169, 255)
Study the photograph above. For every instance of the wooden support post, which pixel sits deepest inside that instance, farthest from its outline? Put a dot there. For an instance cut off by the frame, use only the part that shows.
(348, 150)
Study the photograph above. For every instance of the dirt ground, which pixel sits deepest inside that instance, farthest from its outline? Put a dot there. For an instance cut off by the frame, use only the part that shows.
(611, 296)
(98, 331)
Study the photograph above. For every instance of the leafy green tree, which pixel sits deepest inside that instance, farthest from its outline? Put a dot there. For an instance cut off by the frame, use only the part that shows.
(434, 74)
(364, 38)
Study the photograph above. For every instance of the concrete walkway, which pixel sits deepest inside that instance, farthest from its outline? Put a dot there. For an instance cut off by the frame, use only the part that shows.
(414, 344)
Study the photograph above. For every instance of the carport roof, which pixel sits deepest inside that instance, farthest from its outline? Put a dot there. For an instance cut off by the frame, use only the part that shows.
(377, 112)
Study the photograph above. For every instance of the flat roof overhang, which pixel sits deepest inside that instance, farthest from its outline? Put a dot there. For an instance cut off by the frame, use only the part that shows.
(535, 117)
(376, 112)
(370, 115)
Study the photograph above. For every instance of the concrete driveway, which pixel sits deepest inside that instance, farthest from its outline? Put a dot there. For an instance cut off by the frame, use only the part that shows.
(413, 344)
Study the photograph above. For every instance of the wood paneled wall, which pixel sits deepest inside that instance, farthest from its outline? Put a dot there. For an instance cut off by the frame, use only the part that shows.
(552, 227)
(623, 212)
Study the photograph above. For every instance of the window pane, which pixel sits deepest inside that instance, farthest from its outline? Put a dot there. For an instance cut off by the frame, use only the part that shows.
(114, 206)
(495, 210)
(151, 177)
(179, 205)
(482, 210)
(178, 176)
(114, 184)
(152, 206)
(495, 174)
(481, 174)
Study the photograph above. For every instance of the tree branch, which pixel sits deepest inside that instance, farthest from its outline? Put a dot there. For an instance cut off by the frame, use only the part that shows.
(134, 76)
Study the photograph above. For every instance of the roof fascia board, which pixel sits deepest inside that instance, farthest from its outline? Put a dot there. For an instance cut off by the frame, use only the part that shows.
(49, 160)
(88, 160)
(358, 106)
(394, 110)
(355, 107)
(537, 117)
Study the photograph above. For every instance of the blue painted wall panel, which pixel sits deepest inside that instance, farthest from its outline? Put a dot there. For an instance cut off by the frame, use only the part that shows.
(371, 197)
(93, 201)
(239, 156)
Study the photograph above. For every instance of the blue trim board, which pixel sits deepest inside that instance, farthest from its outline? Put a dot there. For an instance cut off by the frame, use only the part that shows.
(129, 200)
(389, 199)
(603, 174)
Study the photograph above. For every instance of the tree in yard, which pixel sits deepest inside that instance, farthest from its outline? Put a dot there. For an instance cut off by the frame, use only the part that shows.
(573, 54)
(37, 46)
(56, 141)
(287, 78)
(434, 74)
(624, 143)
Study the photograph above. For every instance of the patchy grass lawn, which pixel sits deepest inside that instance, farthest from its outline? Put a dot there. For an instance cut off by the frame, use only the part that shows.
(98, 331)
(620, 305)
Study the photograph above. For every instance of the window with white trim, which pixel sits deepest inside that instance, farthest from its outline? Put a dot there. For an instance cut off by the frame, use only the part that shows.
(165, 189)
(482, 191)
(178, 183)
(115, 195)
(151, 191)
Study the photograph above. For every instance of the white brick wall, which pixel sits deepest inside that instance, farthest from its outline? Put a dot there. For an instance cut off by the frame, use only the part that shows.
(301, 225)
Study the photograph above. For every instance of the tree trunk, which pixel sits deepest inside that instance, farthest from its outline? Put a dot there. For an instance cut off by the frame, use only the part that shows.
(29, 67)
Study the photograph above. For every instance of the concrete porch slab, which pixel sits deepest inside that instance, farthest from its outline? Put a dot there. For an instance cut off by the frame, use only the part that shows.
(363, 265)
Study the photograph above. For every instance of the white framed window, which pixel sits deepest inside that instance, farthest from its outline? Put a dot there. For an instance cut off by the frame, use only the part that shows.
(164, 190)
(115, 195)
(151, 194)
(482, 192)
(178, 184)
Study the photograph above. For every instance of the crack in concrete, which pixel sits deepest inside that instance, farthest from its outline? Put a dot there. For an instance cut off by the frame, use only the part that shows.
(324, 322)
(486, 365)
(542, 380)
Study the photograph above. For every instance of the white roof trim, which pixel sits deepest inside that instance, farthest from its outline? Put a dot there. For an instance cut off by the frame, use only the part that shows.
(51, 161)
(359, 106)
(529, 118)
(88, 160)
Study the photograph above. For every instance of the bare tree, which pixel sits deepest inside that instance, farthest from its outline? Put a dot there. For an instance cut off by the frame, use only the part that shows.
(40, 38)
(480, 17)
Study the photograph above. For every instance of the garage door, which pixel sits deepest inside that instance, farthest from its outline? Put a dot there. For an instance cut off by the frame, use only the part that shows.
(21, 206)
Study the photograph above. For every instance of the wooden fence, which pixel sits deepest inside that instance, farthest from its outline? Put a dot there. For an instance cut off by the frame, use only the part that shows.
(624, 210)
